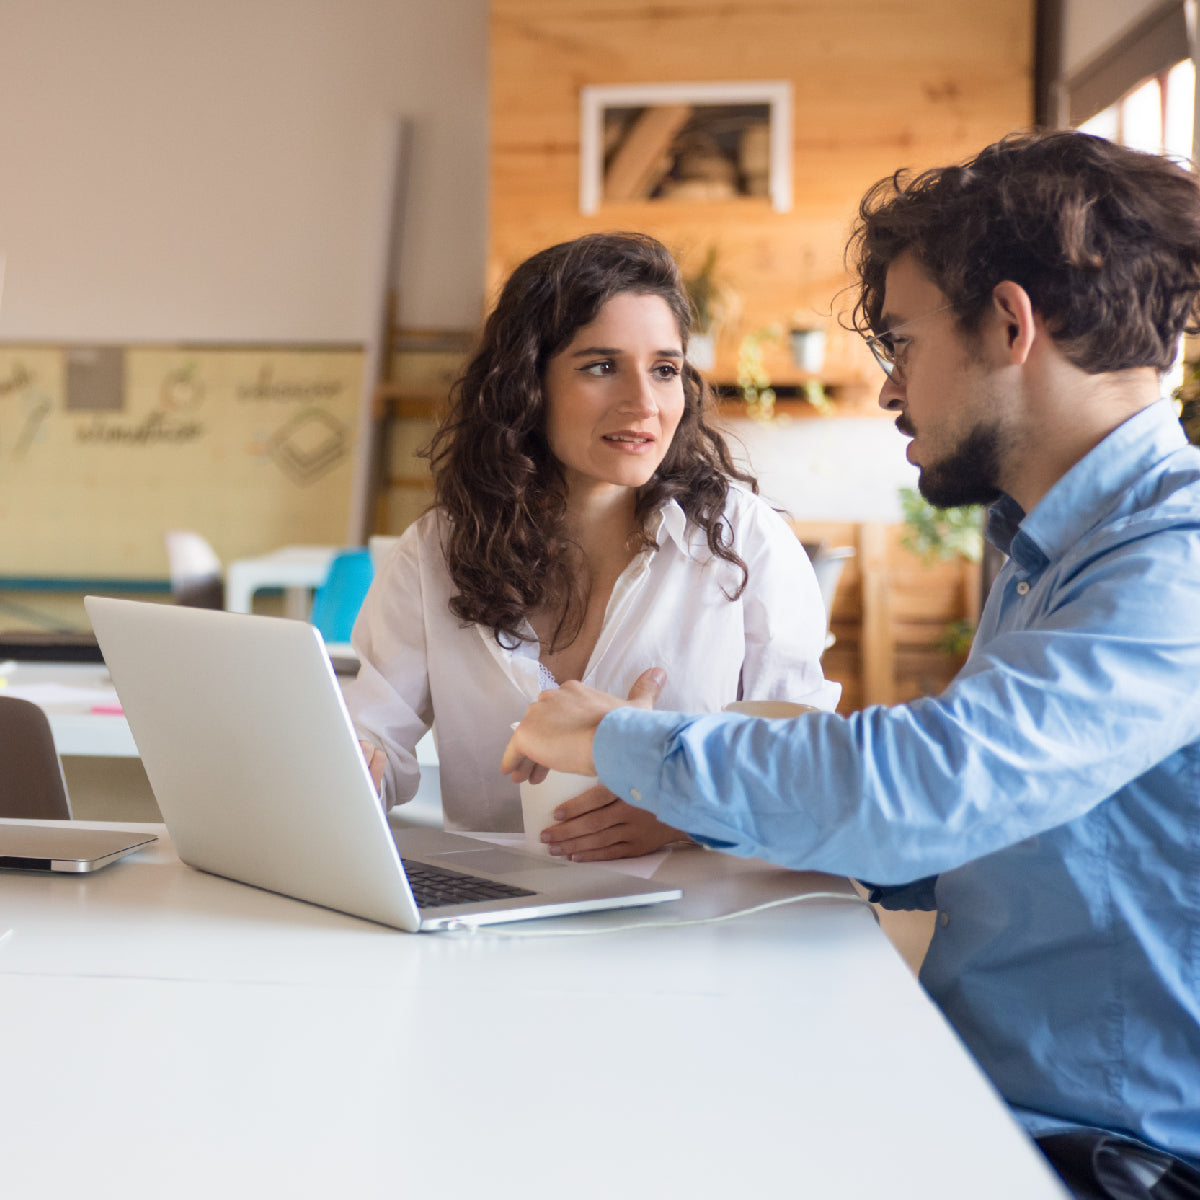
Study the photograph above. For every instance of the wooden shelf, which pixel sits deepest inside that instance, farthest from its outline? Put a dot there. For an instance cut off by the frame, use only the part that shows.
(847, 399)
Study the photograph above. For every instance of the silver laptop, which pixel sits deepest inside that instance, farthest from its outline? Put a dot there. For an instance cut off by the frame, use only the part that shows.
(65, 849)
(256, 768)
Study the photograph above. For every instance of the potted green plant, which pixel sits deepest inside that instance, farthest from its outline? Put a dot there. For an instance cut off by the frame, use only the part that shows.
(755, 380)
(944, 534)
(713, 303)
(940, 533)
(753, 377)
(1187, 398)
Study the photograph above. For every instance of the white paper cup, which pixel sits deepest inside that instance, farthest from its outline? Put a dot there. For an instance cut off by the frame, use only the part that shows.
(769, 708)
(539, 800)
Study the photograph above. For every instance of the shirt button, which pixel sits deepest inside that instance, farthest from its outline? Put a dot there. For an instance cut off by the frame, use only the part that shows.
(1022, 588)
(635, 795)
(944, 918)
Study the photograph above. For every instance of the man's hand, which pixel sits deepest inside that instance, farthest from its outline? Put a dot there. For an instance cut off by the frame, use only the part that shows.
(559, 726)
(596, 825)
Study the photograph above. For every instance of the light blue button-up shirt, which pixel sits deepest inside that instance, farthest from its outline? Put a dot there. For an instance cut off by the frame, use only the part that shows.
(1053, 789)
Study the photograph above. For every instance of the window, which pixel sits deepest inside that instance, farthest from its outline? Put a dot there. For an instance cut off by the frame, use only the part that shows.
(1147, 84)
(1156, 116)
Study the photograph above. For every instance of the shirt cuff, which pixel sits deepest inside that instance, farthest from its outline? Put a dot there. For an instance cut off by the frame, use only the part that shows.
(629, 750)
(920, 895)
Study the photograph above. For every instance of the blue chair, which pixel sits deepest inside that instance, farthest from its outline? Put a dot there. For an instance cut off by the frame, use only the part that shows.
(337, 601)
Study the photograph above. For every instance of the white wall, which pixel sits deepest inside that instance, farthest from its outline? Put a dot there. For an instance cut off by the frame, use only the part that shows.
(213, 169)
(826, 468)
(1091, 26)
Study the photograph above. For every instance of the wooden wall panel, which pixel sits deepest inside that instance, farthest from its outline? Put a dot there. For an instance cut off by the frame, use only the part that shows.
(877, 85)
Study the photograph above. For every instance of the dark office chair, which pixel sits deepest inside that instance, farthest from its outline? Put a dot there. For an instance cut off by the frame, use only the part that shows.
(31, 778)
(196, 576)
(828, 563)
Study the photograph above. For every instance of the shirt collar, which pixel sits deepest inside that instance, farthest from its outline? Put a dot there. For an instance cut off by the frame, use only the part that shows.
(1004, 518)
(670, 520)
(1084, 496)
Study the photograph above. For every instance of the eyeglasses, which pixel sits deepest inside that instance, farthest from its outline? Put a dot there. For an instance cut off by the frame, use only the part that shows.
(889, 349)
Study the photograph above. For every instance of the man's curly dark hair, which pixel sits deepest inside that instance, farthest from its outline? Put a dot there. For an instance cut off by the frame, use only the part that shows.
(1104, 239)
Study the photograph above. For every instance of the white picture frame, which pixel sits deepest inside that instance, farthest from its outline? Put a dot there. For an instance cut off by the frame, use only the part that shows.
(775, 95)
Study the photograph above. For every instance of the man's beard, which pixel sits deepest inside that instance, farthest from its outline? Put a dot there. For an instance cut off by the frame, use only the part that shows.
(968, 475)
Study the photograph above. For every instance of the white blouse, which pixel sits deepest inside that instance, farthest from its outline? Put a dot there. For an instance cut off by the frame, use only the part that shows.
(422, 666)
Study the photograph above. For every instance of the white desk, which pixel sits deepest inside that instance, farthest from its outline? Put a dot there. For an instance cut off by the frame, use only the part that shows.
(79, 724)
(184, 1036)
(298, 569)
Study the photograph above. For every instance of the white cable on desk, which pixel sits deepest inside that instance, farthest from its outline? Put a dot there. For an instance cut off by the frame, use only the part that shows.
(467, 927)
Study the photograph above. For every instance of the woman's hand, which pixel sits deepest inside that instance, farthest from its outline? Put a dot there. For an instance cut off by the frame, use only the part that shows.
(376, 761)
(596, 825)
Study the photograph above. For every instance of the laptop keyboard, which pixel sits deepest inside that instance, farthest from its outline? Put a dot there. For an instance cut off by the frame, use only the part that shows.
(434, 886)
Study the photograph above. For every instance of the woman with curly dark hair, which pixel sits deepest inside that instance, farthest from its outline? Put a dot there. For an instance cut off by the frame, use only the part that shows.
(588, 523)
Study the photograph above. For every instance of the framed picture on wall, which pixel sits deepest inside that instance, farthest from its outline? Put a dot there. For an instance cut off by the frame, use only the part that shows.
(685, 142)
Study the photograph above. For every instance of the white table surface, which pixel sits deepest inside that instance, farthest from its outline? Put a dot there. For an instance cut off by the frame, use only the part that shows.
(181, 1035)
(79, 723)
(298, 569)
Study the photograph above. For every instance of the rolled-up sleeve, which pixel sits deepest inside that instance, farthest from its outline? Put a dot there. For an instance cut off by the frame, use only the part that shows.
(389, 701)
(1043, 724)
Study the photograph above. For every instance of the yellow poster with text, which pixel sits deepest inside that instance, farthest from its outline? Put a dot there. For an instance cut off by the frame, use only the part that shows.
(251, 448)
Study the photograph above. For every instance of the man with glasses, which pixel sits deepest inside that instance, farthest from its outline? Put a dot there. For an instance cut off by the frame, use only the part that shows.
(1047, 803)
